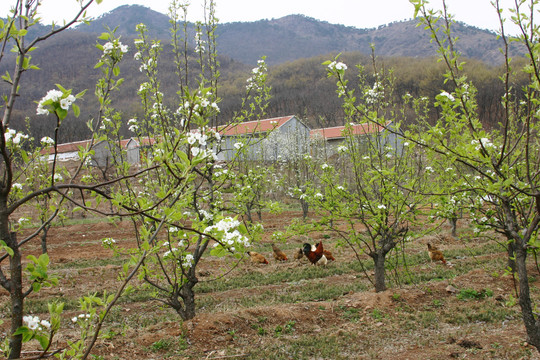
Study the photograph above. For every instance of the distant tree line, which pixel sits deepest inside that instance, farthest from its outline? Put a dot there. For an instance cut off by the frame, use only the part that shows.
(299, 88)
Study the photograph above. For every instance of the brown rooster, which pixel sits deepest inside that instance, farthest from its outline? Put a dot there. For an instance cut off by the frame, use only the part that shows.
(315, 254)
(278, 254)
(435, 254)
(257, 258)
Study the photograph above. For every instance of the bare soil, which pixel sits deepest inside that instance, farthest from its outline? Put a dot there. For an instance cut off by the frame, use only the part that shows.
(420, 321)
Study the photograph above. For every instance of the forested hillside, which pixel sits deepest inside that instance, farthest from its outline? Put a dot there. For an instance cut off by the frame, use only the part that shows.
(298, 80)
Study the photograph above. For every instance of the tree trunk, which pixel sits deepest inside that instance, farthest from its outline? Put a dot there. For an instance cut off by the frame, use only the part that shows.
(16, 297)
(248, 213)
(44, 239)
(511, 256)
(453, 224)
(186, 308)
(379, 260)
(531, 325)
(305, 208)
(188, 296)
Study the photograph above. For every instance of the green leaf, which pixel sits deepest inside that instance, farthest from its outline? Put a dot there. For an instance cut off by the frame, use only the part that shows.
(36, 286)
(61, 88)
(43, 341)
(81, 94)
(21, 331)
(6, 248)
(218, 251)
(61, 113)
(44, 259)
(76, 110)
(26, 63)
(7, 78)
(104, 36)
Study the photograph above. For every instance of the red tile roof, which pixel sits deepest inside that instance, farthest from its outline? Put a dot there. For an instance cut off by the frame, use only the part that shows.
(256, 126)
(338, 131)
(74, 146)
(145, 141)
(67, 147)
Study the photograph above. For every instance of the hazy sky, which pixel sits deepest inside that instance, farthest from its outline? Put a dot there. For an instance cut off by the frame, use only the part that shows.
(357, 13)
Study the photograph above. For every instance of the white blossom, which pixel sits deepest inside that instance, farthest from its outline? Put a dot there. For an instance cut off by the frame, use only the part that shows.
(448, 96)
(45, 323)
(188, 261)
(485, 142)
(47, 140)
(31, 321)
(108, 241)
(14, 137)
(337, 65)
(195, 151)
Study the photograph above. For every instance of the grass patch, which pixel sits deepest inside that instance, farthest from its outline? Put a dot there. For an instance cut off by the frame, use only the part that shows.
(306, 347)
(255, 279)
(89, 263)
(468, 294)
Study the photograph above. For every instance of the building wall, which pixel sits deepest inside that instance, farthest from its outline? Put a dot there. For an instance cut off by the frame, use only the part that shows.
(288, 140)
(133, 153)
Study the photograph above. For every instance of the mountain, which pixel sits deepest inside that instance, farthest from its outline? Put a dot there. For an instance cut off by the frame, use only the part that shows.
(297, 36)
(295, 47)
(126, 18)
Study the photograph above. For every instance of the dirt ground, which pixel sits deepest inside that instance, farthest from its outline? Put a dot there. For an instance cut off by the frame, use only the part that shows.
(406, 322)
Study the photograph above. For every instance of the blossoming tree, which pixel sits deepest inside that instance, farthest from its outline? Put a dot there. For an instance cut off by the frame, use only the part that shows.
(183, 199)
(369, 194)
(15, 189)
(174, 191)
(497, 167)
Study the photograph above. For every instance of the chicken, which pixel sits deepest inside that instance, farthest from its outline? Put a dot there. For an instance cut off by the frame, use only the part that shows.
(278, 254)
(328, 255)
(435, 254)
(257, 258)
(315, 253)
(299, 254)
(322, 261)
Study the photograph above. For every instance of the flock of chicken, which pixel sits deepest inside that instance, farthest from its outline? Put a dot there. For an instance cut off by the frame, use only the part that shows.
(317, 255)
